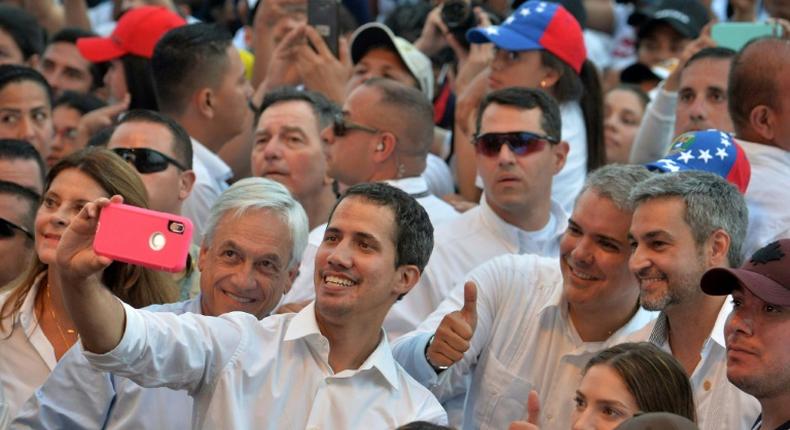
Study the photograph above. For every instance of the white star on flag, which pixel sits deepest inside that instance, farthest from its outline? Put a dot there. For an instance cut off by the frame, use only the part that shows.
(492, 31)
(685, 156)
(721, 153)
(704, 155)
(525, 11)
(509, 20)
(669, 164)
(725, 142)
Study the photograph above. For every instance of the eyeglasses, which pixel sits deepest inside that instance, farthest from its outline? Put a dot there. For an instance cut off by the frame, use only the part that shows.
(341, 126)
(520, 142)
(7, 229)
(147, 160)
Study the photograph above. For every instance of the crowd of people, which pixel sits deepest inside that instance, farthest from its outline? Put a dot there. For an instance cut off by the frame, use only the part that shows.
(561, 214)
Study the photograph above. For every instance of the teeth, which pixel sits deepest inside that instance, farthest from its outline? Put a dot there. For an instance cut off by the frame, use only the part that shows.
(238, 298)
(339, 281)
(582, 275)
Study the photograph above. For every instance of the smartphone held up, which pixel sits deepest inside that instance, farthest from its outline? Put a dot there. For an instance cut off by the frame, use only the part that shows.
(152, 239)
(323, 16)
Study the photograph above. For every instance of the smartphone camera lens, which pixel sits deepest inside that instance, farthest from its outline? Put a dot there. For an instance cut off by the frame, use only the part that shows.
(176, 227)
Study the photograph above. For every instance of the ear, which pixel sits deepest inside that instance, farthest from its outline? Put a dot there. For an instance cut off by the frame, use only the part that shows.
(202, 255)
(383, 149)
(550, 77)
(717, 247)
(185, 184)
(560, 153)
(763, 120)
(204, 102)
(292, 274)
(407, 277)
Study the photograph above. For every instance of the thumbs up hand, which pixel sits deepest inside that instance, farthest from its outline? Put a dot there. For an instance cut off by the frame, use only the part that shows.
(453, 336)
(533, 414)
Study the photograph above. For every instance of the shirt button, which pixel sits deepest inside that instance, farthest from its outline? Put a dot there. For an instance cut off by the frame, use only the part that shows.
(706, 385)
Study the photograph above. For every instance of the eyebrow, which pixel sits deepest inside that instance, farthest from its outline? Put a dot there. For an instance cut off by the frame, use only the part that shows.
(293, 129)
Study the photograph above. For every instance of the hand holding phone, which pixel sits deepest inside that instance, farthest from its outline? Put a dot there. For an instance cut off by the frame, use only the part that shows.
(152, 239)
(323, 16)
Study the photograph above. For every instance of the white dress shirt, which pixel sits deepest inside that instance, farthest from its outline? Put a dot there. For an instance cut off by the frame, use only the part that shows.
(211, 175)
(244, 373)
(524, 340)
(567, 184)
(26, 356)
(105, 401)
(720, 405)
(438, 211)
(477, 236)
(438, 176)
(767, 196)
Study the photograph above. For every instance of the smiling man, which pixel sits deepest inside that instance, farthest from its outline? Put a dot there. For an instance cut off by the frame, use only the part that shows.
(245, 373)
(528, 322)
(758, 329)
(684, 224)
(255, 235)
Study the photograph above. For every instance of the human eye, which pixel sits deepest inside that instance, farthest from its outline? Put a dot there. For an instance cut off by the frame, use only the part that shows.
(686, 96)
(40, 116)
(611, 412)
(49, 202)
(772, 309)
(9, 118)
(579, 402)
(630, 120)
(360, 70)
(229, 255)
(609, 246)
(717, 96)
(574, 230)
(331, 238)
(294, 139)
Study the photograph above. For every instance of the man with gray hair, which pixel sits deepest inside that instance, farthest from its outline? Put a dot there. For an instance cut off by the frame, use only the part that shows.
(528, 323)
(255, 235)
(684, 224)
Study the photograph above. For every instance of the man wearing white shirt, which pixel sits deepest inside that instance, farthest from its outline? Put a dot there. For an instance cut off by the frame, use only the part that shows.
(200, 82)
(518, 152)
(760, 109)
(383, 135)
(528, 322)
(256, 218)
(328, 366)
(684, 224)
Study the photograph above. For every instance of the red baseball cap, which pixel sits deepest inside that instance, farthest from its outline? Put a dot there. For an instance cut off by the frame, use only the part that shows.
(136, 33)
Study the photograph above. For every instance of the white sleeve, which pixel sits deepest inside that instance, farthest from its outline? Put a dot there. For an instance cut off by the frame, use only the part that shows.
(655, 133)
(180, 352)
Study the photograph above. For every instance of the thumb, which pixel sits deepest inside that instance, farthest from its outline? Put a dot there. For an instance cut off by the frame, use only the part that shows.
(533, 407)
(469, 311)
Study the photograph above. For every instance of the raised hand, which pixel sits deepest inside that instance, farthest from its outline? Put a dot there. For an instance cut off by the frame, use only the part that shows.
(454, 334)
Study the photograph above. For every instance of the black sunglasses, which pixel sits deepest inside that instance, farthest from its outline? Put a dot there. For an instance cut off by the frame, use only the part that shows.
(147, 160)
(7, 229)
(520, 142)
(341, 126)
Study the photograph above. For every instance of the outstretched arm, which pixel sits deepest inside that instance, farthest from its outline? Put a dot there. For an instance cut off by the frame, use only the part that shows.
(97, 314)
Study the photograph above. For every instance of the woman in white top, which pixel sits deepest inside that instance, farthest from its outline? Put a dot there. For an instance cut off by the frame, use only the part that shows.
(35, 329)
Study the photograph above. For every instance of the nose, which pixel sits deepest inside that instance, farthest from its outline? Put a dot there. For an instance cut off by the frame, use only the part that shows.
(340, 256)
(244, 277)
(697, 110)
(583, 420)
(506, 156)
(582, 252)
(500, 59)
(272, 150)
(638, 260)
(26, 129)
(739, 321)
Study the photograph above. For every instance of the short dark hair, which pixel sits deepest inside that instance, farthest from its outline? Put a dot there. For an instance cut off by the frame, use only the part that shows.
(653, 376)
(15, 149)
(525, 98)
(70, 35)
(82, 102)
(24, 29)
(12, 73)
(323, 109)
(712, 52)
(753, 80)
(415, 113)
(186, 59)
(182, 144)
(26, 194)
(413, 229)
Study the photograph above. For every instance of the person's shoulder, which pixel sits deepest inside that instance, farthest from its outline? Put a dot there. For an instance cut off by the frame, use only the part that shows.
(458, 228)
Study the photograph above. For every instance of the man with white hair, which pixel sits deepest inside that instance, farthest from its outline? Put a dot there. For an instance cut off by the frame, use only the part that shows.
(254, 239)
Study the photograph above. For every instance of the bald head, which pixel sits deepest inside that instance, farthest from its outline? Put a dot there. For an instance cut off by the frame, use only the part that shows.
(758, 85)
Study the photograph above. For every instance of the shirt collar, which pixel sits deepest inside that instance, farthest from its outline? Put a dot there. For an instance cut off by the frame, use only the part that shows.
(718, 329)
(305, 326)
(660, 333)
(511, 233)
(415, 186)
(216, 167)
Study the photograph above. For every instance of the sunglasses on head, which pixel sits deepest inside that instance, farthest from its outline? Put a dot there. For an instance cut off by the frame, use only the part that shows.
(341, 126)
(7, 229)
(520, 142)
(147, 160)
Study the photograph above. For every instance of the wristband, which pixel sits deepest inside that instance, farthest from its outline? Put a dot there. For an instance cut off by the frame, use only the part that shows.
(437, 369)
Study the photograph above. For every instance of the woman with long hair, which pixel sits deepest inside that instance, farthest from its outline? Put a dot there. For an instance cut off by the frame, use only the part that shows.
(35, 329)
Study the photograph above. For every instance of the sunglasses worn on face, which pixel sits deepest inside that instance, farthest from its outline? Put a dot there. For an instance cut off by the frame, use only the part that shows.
(520, 142)
(342, 126)
(147, 160)
(7, 229)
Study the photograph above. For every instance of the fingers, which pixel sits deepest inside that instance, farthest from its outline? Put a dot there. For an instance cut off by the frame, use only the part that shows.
(533, 407)
(318, 42)
(469, 311)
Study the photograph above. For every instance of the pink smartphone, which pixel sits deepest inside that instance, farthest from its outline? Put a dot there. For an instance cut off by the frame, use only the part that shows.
(156, 240)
